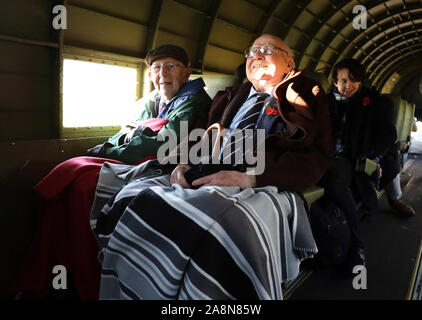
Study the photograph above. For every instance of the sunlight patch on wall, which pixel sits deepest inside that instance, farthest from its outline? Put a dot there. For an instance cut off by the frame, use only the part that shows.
(391, 83)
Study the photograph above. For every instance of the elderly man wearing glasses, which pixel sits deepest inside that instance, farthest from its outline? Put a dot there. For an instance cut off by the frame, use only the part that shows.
(294, 117)
(231, 234)
(178, 99)
(67, 193)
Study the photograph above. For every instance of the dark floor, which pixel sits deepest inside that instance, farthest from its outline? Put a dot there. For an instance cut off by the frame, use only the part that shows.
(392, 245)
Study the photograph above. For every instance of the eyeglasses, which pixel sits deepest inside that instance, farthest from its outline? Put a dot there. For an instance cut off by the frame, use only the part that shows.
(265, 49)
(169, 66)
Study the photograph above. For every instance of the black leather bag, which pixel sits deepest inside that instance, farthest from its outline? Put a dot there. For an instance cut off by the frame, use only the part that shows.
(331, 232)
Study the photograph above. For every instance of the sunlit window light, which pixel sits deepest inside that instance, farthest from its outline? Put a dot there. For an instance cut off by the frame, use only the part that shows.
(97, 94)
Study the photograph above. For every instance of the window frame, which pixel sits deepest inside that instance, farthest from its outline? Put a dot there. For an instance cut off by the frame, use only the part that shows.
(94, 56)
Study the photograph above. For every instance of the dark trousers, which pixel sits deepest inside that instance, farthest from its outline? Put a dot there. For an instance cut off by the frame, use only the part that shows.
(337, 183)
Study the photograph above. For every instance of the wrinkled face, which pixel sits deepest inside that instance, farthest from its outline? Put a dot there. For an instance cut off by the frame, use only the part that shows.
(345, 84)
(168, 76)
(265, 71)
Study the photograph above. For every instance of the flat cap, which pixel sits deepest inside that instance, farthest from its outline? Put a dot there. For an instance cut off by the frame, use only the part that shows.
(167, 51)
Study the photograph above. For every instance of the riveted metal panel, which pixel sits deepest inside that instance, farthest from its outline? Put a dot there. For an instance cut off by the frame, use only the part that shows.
(137, 11)
(24, 125)
(239, 13)
(223, 61)
(27, 19)
(198, 5)
(20, 58)
(90, 29)
(181, 20)
(24, 92)
(230, 38)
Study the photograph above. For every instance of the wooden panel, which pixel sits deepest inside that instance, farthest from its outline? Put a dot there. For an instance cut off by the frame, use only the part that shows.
(101, 32)
(24, 93)
(24, 125)
(25, 59)
(27, 19)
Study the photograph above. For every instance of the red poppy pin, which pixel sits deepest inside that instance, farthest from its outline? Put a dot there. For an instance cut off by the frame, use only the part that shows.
(271, 111)
(366, 101)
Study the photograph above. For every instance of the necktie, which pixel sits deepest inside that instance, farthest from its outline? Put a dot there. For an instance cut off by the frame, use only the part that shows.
(250, 118)
(161, 106)
(236, 142)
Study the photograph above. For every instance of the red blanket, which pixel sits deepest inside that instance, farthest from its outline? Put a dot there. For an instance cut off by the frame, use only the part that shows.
(64, 237)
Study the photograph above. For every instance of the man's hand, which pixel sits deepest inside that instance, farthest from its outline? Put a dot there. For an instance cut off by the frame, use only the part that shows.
(227, 178)
(178, 175)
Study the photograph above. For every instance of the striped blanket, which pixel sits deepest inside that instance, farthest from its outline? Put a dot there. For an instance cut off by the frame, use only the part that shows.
(161, 241)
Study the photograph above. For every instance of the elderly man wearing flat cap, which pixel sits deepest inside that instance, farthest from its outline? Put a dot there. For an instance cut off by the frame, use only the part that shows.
(178, 99)
(67, 192)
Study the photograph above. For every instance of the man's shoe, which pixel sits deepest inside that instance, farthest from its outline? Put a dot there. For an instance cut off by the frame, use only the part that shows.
(401, 208)
(357, 257)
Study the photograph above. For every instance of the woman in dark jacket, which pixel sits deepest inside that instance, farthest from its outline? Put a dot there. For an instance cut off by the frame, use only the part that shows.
(362, 129)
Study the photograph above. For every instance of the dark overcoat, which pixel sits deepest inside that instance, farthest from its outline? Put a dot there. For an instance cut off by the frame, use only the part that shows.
(368, 132)
(297, 156)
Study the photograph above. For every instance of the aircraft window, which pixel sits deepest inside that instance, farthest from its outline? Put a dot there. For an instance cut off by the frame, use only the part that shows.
(97, 94)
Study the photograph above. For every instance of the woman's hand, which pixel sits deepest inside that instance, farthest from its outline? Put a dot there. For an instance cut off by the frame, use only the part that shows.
(178, 175)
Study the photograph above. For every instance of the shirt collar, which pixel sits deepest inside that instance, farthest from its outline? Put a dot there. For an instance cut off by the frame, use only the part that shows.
(190, 87)
(253, 91)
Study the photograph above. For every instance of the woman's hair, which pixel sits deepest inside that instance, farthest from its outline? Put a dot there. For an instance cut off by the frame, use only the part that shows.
(356, 70)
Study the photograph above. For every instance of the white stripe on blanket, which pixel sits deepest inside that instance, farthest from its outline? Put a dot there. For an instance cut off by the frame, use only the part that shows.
(261, 234)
